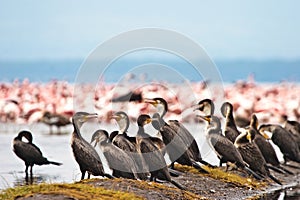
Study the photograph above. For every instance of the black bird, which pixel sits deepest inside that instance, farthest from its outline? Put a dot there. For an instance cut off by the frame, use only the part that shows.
(120, 162)
(230, 129)
(294, 128)
(84, 153)
(252, 155)
(188, 141)
(265, 146)
(128, 144)
(53, 119)
(152, 155)
(175, 146)
(223, 147)
(283, 139)
(29, 152)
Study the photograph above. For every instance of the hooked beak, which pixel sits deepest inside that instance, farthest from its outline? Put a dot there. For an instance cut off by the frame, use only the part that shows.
(96, 141)
(90, 116)
(151, 101)
(116, 117)
(206, 118)
(196, 107)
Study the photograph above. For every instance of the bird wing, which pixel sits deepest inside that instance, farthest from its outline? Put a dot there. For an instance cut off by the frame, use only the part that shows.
(118, 159)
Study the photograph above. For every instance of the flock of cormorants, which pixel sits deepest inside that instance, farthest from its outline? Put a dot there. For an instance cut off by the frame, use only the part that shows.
(142, 157)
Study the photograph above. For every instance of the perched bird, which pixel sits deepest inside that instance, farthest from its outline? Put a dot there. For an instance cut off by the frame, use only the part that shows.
(175, 146)
(183, 136)
(283, 139)
(265, 146)
(57, 120)
(120, 162)
(294, 128)
(222, 146)
(230, 129)
(29, 152)
(152, 155)
(252, 155)
(84, 153)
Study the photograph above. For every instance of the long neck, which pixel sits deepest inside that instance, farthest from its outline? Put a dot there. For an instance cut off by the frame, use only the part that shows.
(162, 110)
(214, 129)
(76, 130)
(229, 119)
(123, 125)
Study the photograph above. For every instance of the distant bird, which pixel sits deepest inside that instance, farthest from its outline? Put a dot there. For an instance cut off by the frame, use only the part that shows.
(152, 155)
(29, 152)
(118, 160)
(283, 139)
(184, 138)
(53, 119)
(252, 155)
(85, 154)
(131, 96)
(230, 129)
(223, 147)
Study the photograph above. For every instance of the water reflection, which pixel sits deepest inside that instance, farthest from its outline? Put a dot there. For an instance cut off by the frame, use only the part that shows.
(292, 193)
(30, 179)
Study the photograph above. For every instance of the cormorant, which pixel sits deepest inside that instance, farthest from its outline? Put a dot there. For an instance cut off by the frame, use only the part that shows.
(294, 128)
(29, 152)
(57, 120)
(265, 146)
(230, 129)
(283, 139)
(128, 144)
(84, 153)
(206, 106)
(152, 155)
(175, 146)
(222, 146)
(188, 141)
(252, 155)
(120, 162)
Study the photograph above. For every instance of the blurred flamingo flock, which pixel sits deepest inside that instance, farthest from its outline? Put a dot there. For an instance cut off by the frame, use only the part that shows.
(25, 102)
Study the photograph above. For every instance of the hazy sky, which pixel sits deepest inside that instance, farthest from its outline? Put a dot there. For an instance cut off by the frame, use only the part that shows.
(61, 29)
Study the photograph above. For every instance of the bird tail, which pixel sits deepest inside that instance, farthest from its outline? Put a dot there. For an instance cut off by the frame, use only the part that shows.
(286, 170)
(55, 163)
(200, 169)
(178, 185)
(251, 172)
(275, 179)
(276, 169)
(174, 172)
(109, 176)
(207, 164)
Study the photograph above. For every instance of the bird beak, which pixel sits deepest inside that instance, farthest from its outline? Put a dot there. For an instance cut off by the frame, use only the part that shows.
(90, 116)
(151, 101)
(96, 141)
(206, 118)
(265, 135)
(196, 107)
(116, 117)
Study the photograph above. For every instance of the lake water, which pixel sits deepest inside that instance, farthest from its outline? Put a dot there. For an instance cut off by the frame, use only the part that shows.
(58, 148)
